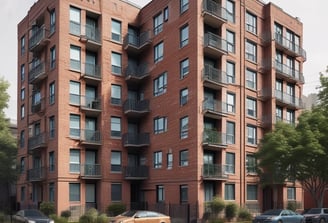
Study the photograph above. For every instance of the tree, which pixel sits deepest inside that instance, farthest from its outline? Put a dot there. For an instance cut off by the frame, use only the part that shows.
(8, 148)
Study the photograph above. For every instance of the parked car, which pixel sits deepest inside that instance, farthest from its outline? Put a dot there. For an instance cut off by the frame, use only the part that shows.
(30, 216)
(279, 216)
(316, 215)
(141, 216)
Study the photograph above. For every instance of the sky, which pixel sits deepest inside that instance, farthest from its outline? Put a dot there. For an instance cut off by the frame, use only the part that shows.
(311, 13)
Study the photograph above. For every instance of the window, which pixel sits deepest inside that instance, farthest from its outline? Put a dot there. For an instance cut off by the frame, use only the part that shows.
(184, 36)
(51, 161)
(251, 135)
(22, 94)
(22, 45)
(74, 92)
(231, 102)
(291, 193)
(158, 52)
(251, 192)
(116, 30)
(22, 139)
(160, 84)
(22, 72)
(231, 72)
(116, 162)
(184, 5)
(116, 192)
(52, 192)
(52, 21)
(184, 127)
(279, 114)
(251, 79)
(169, 161)
(74, 126)
(290, 116)
(22, 111)
(52, 127)
(251, 24)
(183, 193)
(22, 198)
(230, 6)
(74, 161)
(160, 193)
(184, 158)
(166, 13)
(230, 132)
(75, 58)
(183, 96)
(160, 125)
(229, 192)
(250, 164)
(116, 95)
(116, 63)
(251, 107)
(22, 165)
(74, 192)
(53, 57)
(230, 41)
(158, 159)
(158, 23)
(184, 68)
(52, 93)
(75, 21)
(230, 163)
(251, 51)
(115, 124)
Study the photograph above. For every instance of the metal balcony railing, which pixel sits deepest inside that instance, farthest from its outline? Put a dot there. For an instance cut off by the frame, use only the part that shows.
(136, 172)
(214, 171)
(289, 72)
(137, 41)
(136, 106)
(288, 99)
(92, 71)
(90, 170)
(216, 42)
(90, 136)
(38, 38)
(92, 33)
(36, 174)
(137, 71)
(90, 103)
(38, 106)
(38, 141)
(215, 9)
(36, 72)
(136, 139)
(214, 137)
(214, 75)
(289, 45)
(215, 106)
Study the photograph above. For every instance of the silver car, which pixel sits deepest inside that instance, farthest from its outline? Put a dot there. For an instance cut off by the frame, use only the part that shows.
(31, 216)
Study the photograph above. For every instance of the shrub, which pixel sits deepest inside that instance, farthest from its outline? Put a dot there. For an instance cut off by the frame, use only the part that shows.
(244, 214)
(2, 217)
(231, 211)
(93, 214)
(47, 208)
(102, 218)
(86, 219)
(115, 209)
(216, 205)
(216, 220)
(58, 219)
(66, 214)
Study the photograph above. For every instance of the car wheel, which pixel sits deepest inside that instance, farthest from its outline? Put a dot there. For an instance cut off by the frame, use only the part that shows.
(322, 220)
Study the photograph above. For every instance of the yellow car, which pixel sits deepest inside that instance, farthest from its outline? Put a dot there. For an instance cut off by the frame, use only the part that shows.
(141, 216)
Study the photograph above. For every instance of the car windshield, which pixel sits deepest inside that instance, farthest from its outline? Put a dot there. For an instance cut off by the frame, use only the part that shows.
(33, 213)
(272, 212)
(314, 211)
(128, 213)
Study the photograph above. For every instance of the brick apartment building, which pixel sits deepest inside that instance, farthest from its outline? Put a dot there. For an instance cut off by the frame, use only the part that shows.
(163, 104)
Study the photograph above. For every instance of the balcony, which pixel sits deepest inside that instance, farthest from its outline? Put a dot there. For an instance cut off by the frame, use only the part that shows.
(135, 108)
(214, 109)
(136, 73)
(288, 100)
(264, 94)
(135, 44)
(37, 142)
(215, 15)
(213, 139)
(38, 106)
(136, 172)
(90, 106)
(36, 174)
(36, 73)
(92, 37)
(214, 45)
(214, 78)
(38, 39)
(90, 171)
(288, 46)
(214, 172)
(91, 72)
(288, 73)
(90, 137)
(136, 139)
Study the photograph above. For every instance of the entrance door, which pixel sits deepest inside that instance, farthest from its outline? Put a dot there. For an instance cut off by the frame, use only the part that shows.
(90, 196)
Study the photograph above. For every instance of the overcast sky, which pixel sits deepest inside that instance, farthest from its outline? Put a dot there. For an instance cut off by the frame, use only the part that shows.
(313, 15)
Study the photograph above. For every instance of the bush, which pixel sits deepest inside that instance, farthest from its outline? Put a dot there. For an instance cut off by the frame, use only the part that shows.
(58, 219)
(102, 218)
(66, 214)
(93, 213)
(86, 219)
(47, 208)
(231, 211)
(216, 220)
(291, 205)
(115, 209)
(2, 217)
(244, 214)
(216, 205)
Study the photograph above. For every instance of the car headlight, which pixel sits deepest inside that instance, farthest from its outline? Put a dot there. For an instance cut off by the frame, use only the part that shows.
(317, 216)
(51, 221)
(31, 221)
